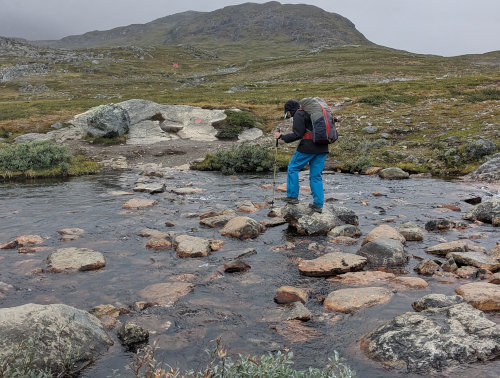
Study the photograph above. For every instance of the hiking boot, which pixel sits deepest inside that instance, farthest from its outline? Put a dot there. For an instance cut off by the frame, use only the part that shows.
(315, 208)
(291, 200)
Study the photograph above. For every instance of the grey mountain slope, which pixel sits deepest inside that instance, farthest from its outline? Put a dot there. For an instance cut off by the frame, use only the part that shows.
(240, 24)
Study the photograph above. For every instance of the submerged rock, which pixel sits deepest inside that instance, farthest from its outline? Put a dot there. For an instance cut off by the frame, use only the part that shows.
(443, 224)
(131, 335)
(366, 278)
(166, 293)
(150, 188)
(56, 331)
(236, 266)
(297, 311)
(22, 241)
(70, 234)
(288, 294)
(434, 339)
(139, 203)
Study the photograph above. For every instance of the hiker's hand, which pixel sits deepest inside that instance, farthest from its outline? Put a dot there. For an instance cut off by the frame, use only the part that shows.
(277, 134)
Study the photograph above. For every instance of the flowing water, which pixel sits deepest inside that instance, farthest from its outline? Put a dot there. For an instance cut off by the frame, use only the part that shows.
(239, 308)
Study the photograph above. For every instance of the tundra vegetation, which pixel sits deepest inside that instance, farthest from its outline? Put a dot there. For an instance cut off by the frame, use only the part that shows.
(428, 111)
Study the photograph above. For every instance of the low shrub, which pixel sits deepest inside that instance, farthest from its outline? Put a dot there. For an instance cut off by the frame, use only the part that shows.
(275, 365)
(35, 156)
(483, 95)
(234, 124)
(122, 139)
(42, 159)
(243, 158)
(157, 117)
(374, 100)
(26, 359)
(359, 164)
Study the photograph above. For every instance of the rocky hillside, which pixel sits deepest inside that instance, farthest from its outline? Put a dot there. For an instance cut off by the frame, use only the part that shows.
(247, 23)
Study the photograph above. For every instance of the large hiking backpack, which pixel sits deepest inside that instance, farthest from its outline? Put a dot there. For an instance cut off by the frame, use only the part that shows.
(323, 122)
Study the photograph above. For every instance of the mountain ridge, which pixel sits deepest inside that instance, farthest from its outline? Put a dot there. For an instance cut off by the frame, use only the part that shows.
(291, 24)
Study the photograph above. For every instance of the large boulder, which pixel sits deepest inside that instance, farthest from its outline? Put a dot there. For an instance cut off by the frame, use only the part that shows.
(305, 221)
(489, 171)
(59, 334)
(108, 121)
(384, 252)
(434, 339)
(487, 211)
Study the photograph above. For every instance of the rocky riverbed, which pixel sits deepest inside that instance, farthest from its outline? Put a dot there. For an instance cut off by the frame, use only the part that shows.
(191, 256)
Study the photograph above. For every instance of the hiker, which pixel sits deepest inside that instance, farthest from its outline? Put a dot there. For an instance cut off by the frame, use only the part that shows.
(307, 152)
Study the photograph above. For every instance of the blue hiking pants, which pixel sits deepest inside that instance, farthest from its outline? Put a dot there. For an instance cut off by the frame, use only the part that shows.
(316, 165)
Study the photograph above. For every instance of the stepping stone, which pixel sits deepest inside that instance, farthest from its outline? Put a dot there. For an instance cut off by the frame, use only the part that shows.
(476, 259)
(69, 259)
(332, 264)
(351, 300)
(481, 295)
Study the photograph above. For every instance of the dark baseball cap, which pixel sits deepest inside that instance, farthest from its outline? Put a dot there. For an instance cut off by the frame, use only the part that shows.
(291, 106)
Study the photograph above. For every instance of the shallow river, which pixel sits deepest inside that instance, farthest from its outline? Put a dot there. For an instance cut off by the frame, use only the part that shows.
(239, 308)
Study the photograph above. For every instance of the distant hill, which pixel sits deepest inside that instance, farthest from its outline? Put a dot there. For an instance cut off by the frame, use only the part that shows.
(272, 23)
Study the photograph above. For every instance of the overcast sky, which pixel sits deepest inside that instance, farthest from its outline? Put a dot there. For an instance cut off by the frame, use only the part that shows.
(442, 27)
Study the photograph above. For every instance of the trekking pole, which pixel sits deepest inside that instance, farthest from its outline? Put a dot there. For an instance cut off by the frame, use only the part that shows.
(275, 166)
